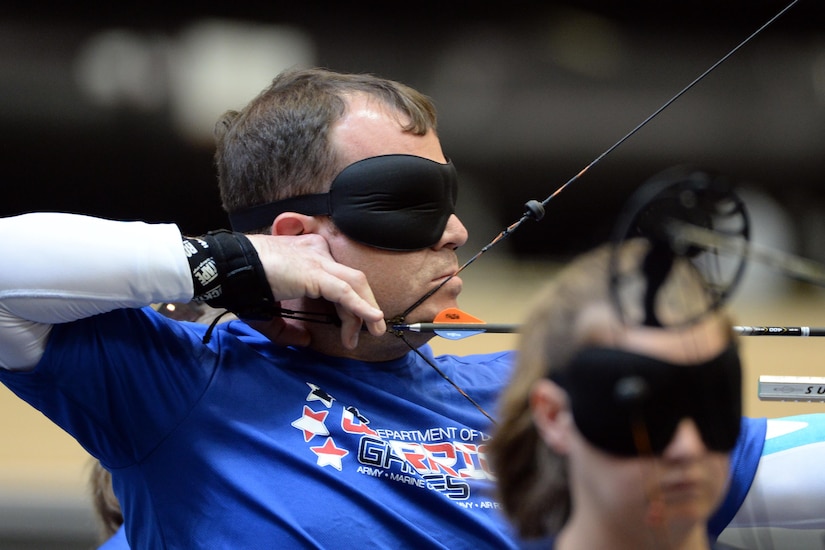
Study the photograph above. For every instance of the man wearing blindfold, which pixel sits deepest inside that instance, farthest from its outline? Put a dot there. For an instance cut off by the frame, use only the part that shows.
(304, 424)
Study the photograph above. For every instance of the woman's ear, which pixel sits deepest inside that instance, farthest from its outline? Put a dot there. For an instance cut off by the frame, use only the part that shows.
(552, 415)
(292, 223)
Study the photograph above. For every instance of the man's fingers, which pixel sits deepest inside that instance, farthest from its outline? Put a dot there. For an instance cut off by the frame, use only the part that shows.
(302, 266)
(350, 329)
(354, 302)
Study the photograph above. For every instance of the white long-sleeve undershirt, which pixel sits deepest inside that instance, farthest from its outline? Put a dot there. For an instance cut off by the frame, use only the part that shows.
(56, 268)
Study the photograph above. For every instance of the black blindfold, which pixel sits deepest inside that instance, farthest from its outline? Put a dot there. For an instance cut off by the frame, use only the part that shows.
(615, 394)
(393, 202)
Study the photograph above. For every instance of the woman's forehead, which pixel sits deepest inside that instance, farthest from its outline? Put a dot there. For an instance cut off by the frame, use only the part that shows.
(599, 325)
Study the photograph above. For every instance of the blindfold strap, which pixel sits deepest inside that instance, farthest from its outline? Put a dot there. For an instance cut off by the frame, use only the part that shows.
(262, 215)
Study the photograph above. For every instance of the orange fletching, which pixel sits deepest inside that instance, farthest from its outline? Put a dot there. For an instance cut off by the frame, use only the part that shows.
(455, 315)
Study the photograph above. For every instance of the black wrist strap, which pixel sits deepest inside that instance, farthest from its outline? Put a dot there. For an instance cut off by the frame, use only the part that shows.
(227, 273)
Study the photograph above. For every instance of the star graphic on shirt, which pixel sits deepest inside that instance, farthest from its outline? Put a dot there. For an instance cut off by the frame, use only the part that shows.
(311, 423)
(330, 455)
(317, 394)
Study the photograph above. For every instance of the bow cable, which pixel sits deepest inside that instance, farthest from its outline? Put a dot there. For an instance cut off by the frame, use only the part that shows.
(535, 209)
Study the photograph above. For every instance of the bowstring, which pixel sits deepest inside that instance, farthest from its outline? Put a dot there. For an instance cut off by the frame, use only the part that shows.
(535, 210)
(447, 378)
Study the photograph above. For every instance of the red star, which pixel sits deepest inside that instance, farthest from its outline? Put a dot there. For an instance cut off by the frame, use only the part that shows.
(312, 423)
(329, 454)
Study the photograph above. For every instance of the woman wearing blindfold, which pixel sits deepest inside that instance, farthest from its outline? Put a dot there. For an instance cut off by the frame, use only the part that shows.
(612, 435)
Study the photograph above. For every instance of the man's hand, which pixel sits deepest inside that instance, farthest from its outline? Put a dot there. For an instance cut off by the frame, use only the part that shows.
(302, 266)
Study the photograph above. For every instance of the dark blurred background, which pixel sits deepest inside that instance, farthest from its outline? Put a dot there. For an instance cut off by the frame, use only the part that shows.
(107, 109)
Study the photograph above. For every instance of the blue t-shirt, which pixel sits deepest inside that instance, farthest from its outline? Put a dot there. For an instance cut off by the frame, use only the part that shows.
(239, 443)
(242, 444)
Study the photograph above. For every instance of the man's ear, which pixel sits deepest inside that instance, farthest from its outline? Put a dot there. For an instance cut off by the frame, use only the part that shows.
(552, 415)
(292, 223)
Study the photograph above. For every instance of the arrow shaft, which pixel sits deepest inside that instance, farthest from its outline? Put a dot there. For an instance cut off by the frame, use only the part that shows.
(503, 328)
(469, 327)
